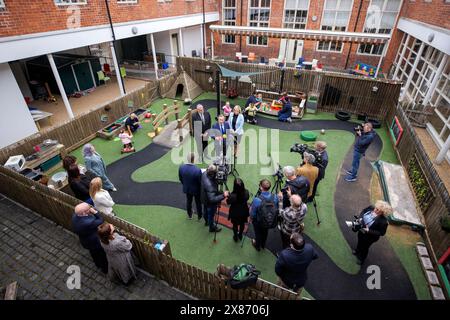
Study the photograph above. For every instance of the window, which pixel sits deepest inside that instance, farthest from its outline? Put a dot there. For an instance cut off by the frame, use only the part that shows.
(2, 4)
(229, 19)
(336, 14)
(334, 46)
(259, 12)
(127, 1)
(295, 14)
(380, 18)
(69, 2)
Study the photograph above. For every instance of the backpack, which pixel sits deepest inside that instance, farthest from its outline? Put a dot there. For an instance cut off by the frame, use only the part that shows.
(267, 213)
(243, 276)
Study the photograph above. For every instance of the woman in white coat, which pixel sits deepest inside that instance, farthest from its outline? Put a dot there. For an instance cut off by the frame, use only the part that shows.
(102, 199)
(236, 122)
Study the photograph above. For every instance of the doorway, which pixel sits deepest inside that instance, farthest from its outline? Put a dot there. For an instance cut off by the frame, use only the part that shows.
(292, 49)
(179, 92)
(175, 48)
(83, 75)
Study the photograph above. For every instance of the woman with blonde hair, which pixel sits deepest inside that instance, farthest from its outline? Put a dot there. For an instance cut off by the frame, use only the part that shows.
(118, 252)
(373, 225)
(236, 122)
(102, 199)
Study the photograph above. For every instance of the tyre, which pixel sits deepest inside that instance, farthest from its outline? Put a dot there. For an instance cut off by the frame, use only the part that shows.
(375, 123)
(342, 115)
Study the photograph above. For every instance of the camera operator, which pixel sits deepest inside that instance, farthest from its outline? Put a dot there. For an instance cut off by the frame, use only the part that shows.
(297, 184)
(373, 225)
(364, 137)
(211, 196)
(309, 171)
(320, 147)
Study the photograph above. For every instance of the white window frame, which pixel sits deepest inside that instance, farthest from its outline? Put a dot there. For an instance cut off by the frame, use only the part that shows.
(71, 3)
(258, 22)
(295, 16)
(329, 51)
(223, 20)
(336, 11)
(383, 10)
(2, 4)
(127, 1)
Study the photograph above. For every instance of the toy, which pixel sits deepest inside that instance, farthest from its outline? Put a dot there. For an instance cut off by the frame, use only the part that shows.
(148, 115)
(128, 150)
(322, 131)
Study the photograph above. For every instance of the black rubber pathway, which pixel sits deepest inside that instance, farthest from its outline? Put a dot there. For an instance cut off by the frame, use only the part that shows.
(326, 280)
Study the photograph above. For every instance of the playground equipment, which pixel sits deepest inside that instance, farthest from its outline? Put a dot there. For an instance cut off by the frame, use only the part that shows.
(113, 129)
(172, 134)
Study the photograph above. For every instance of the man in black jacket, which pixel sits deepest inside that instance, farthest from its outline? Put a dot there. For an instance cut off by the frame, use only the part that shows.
(363, 140)
(293, 262)
(201, 119)
(373, 225)
(211, 196)
(298, 185)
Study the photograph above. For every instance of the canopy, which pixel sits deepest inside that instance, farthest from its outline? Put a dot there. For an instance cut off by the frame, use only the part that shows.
(233, 74)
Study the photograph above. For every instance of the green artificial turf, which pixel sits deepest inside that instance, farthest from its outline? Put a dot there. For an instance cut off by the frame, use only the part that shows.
(190, 244)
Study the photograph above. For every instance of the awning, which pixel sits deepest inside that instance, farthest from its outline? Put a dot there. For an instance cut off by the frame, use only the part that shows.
(315, 35)
(233, 74)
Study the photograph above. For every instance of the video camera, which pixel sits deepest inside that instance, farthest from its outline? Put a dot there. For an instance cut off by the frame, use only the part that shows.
(302, 148)
(223, 169)
(356, 224)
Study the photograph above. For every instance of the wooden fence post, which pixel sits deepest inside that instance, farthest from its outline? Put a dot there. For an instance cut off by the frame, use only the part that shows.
(165, 113)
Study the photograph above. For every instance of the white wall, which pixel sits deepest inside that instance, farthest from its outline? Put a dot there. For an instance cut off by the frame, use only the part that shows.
(21, 79)
(162, 45)
(16, 121)
(192, 40)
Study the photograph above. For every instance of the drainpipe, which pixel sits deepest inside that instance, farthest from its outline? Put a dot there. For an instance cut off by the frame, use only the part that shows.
(354, 30)
(240, 36)
(203, 31)
(113, 47)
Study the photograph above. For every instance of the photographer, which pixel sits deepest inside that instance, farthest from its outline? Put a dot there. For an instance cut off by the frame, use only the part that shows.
(211, 196)
(297, 184)
(291, 218)
(372, 224)
(364, 137)
(309, 171)
(320, 147)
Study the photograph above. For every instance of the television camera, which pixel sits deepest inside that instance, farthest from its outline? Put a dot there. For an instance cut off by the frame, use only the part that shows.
(302, 148)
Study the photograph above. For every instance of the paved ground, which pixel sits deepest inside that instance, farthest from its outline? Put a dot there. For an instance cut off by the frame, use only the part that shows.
(36, 253)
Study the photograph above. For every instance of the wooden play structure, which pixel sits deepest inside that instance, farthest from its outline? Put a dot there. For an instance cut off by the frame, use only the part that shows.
(173, 133)
(184, 88)
(113, 129)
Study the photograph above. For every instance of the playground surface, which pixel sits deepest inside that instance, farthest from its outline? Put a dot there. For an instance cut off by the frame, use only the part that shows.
(149, 195)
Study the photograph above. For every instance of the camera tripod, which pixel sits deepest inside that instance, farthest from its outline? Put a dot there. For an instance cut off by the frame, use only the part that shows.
(217, 214)
(313, 200)
(233, 170)
(277, 186)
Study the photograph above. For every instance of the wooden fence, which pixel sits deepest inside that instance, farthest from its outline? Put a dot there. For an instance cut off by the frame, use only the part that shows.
(59, 207)
(434, 203)
(336, 91)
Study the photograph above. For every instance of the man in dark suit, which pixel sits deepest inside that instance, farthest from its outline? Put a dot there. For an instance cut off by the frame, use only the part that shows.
(203, 120)
(373, 225)
(191, 178)
(293, 262)
(85, 222)
(221, 130)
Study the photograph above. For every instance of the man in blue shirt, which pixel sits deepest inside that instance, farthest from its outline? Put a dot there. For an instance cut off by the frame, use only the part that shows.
(261, 232)
(191, 178)
(363, 140)
(293, 262)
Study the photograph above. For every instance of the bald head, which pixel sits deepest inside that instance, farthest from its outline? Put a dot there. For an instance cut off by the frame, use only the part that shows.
(199, 108)
(82, 208)
(296, 201)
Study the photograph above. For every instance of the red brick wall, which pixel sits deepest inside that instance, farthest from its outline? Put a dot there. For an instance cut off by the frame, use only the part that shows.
(25, 16)
(436, 12)
(330, 59)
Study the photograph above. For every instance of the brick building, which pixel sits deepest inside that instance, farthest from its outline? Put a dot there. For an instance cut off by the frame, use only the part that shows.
(64, 44)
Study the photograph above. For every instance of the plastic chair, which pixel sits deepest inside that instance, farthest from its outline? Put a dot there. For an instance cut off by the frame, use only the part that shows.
(107, 69)
(102, 77)
(251, 57)
(123, 72)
